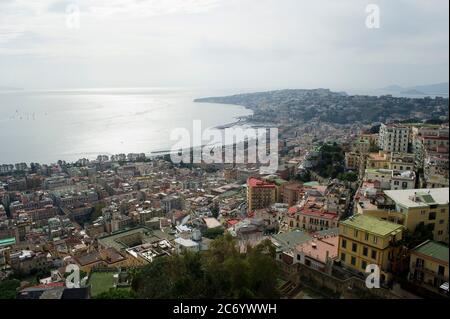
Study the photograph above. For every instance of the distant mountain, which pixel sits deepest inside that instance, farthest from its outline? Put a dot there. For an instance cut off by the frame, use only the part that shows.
(438, 88)
(323, 105)
(430, 89)
(413, 92)
(392, 88)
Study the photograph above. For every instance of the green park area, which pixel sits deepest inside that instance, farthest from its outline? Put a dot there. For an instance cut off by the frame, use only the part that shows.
(102, 282)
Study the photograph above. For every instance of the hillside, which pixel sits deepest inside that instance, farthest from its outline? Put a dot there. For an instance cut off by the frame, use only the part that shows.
(333, 107)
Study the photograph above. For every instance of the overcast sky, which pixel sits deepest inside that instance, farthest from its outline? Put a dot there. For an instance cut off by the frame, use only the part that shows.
(222, 43)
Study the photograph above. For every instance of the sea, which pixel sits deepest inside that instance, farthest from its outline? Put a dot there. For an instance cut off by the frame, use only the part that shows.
(44, 126)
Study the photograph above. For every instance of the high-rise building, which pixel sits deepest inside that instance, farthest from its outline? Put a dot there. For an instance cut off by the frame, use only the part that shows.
(394, 138)
(260, 193)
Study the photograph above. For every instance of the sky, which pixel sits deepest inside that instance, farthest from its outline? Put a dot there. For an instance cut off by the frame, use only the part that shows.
(239, 44)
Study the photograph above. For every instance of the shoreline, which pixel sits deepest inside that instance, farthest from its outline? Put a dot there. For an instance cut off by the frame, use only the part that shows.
(92, 156)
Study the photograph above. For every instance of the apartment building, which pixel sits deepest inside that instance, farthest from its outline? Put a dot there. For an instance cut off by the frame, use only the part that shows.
(279, 185)
(365, 240)
(379, 160)
(260, 193)
(394, 138)
(311, 219)
(402, 162)
(429, 265)
(292, 193)
(427, 206)
(354, 160)
(391, 179)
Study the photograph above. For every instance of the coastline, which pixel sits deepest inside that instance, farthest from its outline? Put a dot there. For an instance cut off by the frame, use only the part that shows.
(109, 123)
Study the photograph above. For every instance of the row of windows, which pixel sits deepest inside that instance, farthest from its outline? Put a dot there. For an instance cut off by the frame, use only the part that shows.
(408, 168)
(420, 263)
(366, 235)
(353, 261)
(365, 250)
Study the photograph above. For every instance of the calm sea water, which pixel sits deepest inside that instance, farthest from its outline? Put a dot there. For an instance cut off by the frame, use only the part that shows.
(45, 126)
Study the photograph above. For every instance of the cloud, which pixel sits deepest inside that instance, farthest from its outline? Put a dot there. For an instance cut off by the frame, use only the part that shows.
(224, 42)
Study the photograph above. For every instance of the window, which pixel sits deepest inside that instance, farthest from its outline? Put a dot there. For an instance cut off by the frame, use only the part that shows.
(363, 265)
(344, 243)
(374, 254)
(432, 216)
(375, 239)
(419, 263)
(343, 257)
(365, 251)
(366, 237)
(355, 233)
(354, 247)
(441, 270)
(353, 261)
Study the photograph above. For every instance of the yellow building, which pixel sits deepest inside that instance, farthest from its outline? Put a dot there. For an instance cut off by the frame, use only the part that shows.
(429, 265)
(362, 145)
(402, 162)
(378, 160)
(371, 138)
(352, 160)
(280, 184)
(260, 194)
(365, 240)
(427, 206)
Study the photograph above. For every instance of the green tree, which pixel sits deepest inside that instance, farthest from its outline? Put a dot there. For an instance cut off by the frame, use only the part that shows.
(220, 272)
(153, 281)
(213, 233)
(117, 293)
(8, 288)
(348, 176)
(420, 234)
(97, 212)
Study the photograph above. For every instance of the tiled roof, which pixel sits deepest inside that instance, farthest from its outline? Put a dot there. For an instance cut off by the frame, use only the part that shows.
(255, 182)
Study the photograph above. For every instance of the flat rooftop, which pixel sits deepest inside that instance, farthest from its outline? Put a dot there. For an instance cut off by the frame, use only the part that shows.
(7, 241)
(291, 239)
(372, 225)
(148, 236)
(425, 197)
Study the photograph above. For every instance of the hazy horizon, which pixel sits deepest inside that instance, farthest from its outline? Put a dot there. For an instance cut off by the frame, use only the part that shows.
(222, 44)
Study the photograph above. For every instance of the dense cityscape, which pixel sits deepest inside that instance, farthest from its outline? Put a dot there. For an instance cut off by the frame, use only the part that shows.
(349, 192)
(224, 158)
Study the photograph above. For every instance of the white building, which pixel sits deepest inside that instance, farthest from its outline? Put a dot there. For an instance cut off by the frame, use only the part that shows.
(183, 245)
(394, 138)
(391, 179)
(403, 180)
